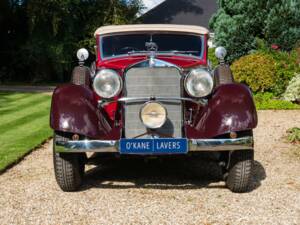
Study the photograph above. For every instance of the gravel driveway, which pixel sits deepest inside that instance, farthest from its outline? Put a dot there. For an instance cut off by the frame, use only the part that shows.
(160, 193)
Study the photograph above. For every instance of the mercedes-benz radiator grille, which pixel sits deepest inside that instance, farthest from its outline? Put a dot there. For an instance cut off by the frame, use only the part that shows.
(157, 82)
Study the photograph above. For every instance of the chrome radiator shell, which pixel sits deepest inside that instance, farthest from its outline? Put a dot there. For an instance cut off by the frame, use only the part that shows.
(153, 82)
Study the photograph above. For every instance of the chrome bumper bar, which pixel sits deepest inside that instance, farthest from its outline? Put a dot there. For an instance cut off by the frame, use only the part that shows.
(202, 102)
(194, 145)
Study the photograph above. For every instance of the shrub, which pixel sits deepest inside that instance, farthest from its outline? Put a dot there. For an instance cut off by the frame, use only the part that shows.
(282, 23)
(266, 100)
(286, 68)
(256, 70)
(292, 92)
(293, 135)
(238, 23)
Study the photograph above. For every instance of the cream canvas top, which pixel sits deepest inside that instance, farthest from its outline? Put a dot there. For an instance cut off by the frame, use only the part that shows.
(150, 27)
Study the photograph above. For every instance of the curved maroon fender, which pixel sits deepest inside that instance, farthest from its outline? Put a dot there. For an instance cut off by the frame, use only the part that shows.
(74, 110)
(231, 108)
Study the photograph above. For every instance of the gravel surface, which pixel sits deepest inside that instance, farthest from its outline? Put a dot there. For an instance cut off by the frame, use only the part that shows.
(160, 193)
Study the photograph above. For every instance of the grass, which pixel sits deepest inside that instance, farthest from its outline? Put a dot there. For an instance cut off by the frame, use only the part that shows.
(24, 124)
(293, 135)
(14, 83)
(264, 101)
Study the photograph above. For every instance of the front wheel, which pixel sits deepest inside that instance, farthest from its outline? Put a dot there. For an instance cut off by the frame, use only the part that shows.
(240, 171)
(68, 168)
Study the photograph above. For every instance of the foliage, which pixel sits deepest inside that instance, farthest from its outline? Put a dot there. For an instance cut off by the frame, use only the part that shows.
(50, 32)
(292, 92)
(293, 135)
(284, 66)
(238, 23)
(212, 58)
(282, 25)
(24, 124)
(256, 70)
(264, 101)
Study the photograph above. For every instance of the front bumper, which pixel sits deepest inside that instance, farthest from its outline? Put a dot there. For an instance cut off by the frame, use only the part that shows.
(194, 145)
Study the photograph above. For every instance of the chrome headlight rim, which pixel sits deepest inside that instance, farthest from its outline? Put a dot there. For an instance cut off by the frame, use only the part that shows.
(114, 73)
(186, 80)
(165, 110)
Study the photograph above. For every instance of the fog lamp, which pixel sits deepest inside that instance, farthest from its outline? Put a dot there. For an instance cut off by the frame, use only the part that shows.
(153, 115)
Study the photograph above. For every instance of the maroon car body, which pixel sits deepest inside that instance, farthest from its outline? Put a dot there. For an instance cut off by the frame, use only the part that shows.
(226, 114)
(78, 104)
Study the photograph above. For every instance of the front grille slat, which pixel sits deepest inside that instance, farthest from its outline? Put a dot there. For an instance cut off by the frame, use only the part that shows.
(158, 82)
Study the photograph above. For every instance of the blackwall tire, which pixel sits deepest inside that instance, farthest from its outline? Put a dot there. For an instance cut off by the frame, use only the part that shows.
(68, 169)
(240, 171)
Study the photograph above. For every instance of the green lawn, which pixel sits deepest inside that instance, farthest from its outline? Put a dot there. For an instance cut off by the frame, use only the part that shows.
(265, 101)
(24, 124)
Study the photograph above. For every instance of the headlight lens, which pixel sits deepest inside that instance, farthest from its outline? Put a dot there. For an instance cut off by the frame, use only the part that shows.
(199, 83)
(107, 83)
(153, 115)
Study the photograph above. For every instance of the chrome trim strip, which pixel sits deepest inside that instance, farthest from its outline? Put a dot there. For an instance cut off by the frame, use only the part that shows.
(86, 146)
(156, 63)
(226, 144)
(202, 102)
(194, 145)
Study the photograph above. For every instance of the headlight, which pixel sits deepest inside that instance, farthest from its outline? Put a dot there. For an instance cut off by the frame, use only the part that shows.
(107, 83)
(153, 115)
(198, 83)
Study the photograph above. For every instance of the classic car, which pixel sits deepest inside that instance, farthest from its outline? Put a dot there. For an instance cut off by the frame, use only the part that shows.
(152, 92)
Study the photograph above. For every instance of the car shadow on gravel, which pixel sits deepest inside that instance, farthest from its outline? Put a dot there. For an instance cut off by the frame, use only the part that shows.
(259, 174)
(170, 173)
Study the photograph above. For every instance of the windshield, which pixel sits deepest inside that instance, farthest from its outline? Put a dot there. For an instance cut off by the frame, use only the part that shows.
(139, 43)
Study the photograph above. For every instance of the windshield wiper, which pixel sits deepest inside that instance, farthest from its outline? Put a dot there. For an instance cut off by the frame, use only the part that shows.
(182, 52)
(138, 52)
(172, 51)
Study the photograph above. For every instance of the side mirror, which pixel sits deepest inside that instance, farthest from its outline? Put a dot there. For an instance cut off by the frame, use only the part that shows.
(82, 55)
(220, 53)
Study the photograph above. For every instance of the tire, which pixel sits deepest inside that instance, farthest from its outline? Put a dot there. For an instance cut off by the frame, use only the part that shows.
(240, 171)
(68, 168)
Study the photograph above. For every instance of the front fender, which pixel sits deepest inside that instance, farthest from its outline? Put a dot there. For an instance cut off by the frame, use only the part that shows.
(231, 108)
(74, 110)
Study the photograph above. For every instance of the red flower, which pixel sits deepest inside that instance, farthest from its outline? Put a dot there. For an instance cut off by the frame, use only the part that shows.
(274, 46)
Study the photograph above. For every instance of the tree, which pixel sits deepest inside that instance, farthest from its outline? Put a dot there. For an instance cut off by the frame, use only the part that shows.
(238, 23)
(60, 27)
(282, 25)
(56, 29)
(13, 30)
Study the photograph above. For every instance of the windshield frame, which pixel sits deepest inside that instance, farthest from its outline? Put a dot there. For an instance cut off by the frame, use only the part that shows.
(157, 53)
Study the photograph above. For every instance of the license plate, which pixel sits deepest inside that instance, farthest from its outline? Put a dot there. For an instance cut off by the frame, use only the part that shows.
(154, 146)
